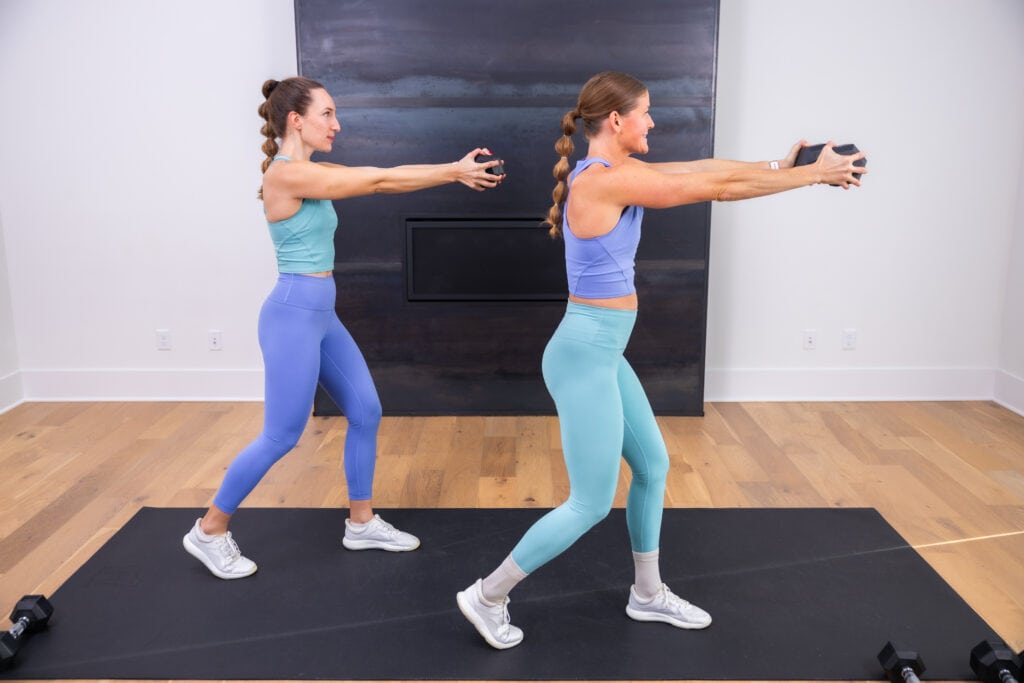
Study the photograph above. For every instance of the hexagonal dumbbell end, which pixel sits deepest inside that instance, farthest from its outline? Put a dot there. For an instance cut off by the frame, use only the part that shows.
(900, 663)
(8, 648)
(993, 661)
(35, 609)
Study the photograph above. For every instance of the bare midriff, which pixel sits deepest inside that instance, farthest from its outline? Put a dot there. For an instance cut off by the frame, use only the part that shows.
(326, 273)
(624, 303)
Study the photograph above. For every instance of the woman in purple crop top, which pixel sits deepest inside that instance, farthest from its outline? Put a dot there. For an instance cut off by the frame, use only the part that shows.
(603, 412)
(302, 340)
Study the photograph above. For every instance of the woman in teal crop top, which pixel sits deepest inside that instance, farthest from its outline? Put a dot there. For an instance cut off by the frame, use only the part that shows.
(603, 411)
(302, 340)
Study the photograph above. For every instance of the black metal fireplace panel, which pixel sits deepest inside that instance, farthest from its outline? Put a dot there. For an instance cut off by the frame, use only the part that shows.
(426, 82)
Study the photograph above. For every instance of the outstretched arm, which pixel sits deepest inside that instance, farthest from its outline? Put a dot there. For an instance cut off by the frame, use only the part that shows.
(641, 184)
(712, 165)
(706, 165)
(333, 181)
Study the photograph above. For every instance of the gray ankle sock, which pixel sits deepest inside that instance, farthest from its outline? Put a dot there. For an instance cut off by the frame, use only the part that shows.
(502, 580)
(648, 575)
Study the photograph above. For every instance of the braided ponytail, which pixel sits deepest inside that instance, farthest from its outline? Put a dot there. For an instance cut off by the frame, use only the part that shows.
(564, 148)
(269, 146)
(281, 98)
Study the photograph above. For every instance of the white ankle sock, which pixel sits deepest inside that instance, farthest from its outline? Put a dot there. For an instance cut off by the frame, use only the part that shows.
(501, 581)
(203, 536)
(648, 575)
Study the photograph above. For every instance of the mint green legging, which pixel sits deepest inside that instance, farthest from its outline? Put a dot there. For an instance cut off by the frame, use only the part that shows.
(604, 414)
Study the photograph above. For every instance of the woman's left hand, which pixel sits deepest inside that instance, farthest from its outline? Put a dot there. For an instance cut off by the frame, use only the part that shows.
(474, 174)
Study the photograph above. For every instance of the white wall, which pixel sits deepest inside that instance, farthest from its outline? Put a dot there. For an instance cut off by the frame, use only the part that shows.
(1010, 378)
(126, 192)
(10, 379)
(128, 186)
(917, 259)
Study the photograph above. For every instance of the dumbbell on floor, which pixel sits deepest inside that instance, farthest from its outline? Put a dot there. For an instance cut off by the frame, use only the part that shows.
(994, 662)
(900, 663)
(29, 615)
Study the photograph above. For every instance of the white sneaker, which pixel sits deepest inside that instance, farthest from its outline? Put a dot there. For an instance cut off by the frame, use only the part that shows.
(377, 535)
(668, 607)
(491, 620)
(219, 553)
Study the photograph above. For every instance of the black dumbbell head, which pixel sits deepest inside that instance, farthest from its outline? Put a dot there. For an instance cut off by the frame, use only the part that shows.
(810, 154)
(493, 170)
(35, 608)
(991, 657)
(895, 657)
(8, 648)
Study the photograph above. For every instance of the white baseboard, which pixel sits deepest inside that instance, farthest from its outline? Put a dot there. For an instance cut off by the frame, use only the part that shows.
(143, 385)
(849, 384)
(1009, 391)
(781, 384)
(11, 392)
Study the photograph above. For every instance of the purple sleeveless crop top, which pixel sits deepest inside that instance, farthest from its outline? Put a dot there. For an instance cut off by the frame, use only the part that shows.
(602, 267)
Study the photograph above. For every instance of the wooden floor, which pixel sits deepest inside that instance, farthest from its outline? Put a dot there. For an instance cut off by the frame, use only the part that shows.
(949, 476)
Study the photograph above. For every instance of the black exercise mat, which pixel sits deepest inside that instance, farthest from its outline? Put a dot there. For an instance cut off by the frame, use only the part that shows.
(795, 594)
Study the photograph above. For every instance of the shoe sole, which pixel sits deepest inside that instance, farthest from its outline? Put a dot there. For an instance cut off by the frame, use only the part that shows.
(376, 545)
(201, 556)
(637, 615)
(481, 628)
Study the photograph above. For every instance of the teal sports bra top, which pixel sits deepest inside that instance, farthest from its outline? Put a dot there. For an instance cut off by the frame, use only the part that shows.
(304, 242)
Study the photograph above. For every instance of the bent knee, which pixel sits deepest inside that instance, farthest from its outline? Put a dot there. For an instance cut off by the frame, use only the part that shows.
(589, 513)
(280, 443)
(653, 471)
(368, 413)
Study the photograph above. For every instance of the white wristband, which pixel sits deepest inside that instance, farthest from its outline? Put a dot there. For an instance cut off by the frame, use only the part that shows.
(774, 165)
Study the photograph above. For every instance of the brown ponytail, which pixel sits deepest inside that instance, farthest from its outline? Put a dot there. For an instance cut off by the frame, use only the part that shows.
(280, 99)
(604, 93)
(564, 148)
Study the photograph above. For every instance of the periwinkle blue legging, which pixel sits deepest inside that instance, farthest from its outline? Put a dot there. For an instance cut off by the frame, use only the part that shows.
(303, 343)
(604, 415)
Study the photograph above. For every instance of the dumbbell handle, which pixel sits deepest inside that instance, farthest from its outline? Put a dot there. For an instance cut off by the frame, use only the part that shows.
(1006, 677)
(20, 626)
(908, 675)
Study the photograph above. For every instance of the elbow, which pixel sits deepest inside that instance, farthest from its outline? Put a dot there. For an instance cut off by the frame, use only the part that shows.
(734, 189)
(380, 181)
(728, 189)
(726, 194)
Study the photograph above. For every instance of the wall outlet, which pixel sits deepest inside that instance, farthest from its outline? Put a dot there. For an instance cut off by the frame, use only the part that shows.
(849, 339)
(810, 340)
(163, 340)
(213, 340)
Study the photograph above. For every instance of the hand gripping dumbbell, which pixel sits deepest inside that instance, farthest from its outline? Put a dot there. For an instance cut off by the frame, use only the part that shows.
(994, 662)
(29, 615)
(901, 664)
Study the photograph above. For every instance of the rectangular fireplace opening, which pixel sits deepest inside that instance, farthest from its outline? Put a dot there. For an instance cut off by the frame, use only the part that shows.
(483, 259)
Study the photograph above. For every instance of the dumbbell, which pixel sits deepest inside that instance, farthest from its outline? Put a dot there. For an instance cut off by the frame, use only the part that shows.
(994, 662)
(900, 663)
(29, 615)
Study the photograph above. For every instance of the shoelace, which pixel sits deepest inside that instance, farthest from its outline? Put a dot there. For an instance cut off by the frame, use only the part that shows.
(672, 601)
(385, 528)
(506, 620)
(229, 548)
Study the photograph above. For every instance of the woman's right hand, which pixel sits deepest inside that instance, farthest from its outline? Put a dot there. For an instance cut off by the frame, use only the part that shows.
(838, 169)
(474, 175)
